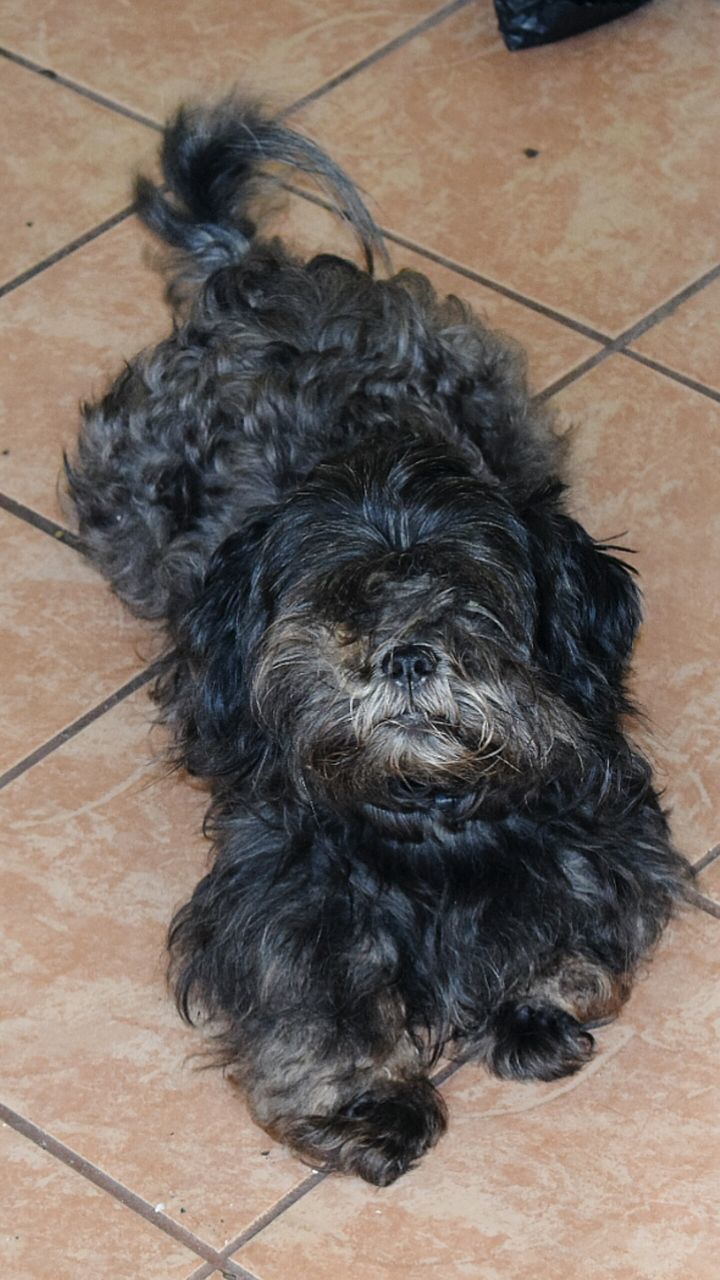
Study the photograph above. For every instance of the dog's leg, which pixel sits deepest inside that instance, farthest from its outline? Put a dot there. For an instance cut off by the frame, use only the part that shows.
(620, 879)
(309, 1015)
(542, 1034)
(369, 1111)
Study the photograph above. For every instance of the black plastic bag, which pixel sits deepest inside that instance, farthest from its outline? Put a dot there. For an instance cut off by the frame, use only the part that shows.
(524, 23)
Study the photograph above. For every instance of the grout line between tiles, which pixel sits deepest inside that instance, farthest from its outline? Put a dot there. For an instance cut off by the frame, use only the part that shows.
(67, 83)
(66, 250)
(71, 730)
(619, 345)
(224, 1269)
(504, 290)
(309, 1184)
(700, 900)
(610, 346)
(682, 378)
(136, 1203)
(572, 375)
(231, 1270)
(667, 308)
(439, 1079)
(442, 1076)
(203, 1272)
(707, 858)
(426, 24)
(43, 523)
(615, 349)
(275, 1211)
(466, 272)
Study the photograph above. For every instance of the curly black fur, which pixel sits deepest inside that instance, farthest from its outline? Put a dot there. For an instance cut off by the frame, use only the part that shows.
(398, 660)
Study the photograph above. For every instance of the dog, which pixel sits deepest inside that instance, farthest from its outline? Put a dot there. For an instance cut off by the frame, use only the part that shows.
(397, 660)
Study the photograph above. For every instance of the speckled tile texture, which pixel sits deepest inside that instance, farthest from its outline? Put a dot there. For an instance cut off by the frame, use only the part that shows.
(58, 183)
(56, 1223)
(140, 55)
(613, 215)
(570, 195)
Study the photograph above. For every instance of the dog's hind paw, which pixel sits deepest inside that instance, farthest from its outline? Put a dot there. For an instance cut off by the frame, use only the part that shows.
(378, 1136)
(538, 1042)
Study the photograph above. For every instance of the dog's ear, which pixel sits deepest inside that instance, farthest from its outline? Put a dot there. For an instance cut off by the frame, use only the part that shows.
(216, 733)
(588, 611)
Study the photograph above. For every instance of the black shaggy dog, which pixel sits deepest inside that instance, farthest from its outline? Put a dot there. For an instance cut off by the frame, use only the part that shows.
(396, 658)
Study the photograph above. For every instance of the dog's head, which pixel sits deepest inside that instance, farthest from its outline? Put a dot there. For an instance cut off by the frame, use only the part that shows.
(400, 637)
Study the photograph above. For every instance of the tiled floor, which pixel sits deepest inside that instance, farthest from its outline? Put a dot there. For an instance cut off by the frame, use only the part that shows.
(600, 254)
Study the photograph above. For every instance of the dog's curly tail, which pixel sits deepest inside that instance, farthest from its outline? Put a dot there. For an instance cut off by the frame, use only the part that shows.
(212, 158)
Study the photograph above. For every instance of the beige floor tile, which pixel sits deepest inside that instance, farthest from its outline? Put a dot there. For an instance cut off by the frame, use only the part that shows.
(87, 314)
(687, 340)
(97, 851)
(636, 486)
(54, 1223)
(552, 349)
(82, 158)
(132, 53)
(611, 1174)
(613, 216)
(66, 642)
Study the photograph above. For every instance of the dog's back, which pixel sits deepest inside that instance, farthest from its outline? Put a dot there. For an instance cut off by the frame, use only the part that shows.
(274, 365)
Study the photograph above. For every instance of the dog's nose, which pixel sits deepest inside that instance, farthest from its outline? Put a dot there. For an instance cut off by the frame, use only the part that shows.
(410, 665)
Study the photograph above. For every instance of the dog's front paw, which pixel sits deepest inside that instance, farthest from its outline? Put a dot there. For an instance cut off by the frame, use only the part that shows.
(538, 1042)
(377, 1136)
